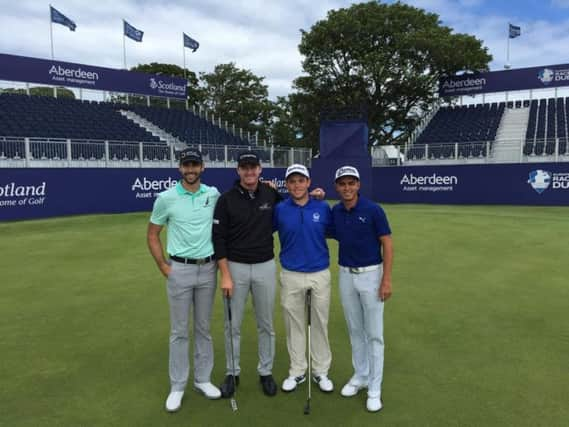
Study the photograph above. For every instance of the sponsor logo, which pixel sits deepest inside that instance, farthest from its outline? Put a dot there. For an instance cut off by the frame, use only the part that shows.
(77, 73)
(265, 207)
(12, 194)
(546, 76)
(541, 180)
(362, 219)
(463, 84)
(148, 188)
(280, 184)
(316, 217)
(166, 87)
(434, 182)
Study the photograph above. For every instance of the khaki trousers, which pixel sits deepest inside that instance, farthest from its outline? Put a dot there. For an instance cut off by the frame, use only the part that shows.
(293, 300)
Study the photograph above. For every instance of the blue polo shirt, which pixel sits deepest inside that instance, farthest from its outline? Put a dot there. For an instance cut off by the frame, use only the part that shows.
(358, 231)
(302, 233)
(189, 217)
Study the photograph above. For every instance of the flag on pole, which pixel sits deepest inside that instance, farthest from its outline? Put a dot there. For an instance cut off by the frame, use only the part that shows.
(60, 18)
(190, 43)
(131, 32)
(515, 31)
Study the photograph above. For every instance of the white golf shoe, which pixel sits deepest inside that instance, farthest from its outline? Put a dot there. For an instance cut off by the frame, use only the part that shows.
(374, 404)
(174, 401)
(208, 390)
(291, 382)
(353, 387)
(324, 383)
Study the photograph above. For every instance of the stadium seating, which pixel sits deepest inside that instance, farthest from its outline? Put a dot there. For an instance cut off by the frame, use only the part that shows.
(472, 127)
(547, 124)
(88, 124)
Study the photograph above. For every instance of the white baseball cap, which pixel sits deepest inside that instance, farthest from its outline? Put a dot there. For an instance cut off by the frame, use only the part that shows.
(347, 171)
(296, 168)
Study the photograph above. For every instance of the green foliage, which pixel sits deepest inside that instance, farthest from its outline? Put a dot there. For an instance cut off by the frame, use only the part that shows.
(238, 96)
(43, 91)
(386, 58)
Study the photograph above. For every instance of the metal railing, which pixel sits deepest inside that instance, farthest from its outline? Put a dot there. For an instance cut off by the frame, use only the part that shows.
(50, 152)
(477, 152)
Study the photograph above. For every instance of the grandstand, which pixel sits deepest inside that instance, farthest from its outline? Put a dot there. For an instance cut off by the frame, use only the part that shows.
(498, 132)
(90, 133)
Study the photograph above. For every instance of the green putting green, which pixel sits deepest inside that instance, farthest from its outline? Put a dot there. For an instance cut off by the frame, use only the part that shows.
(476, 332)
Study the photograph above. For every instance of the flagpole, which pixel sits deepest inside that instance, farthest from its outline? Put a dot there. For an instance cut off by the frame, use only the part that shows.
(507, 66)
(123, 46)
(51, 32)
(184, 55)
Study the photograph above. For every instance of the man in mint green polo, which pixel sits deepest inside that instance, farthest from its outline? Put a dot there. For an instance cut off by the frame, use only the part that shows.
(187, 211)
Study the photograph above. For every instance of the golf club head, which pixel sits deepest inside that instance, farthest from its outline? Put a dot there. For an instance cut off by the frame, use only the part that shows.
(307, 408)
(233, 404)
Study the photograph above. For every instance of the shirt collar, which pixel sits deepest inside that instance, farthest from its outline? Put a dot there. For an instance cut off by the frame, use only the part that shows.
(356, 206)
(181, 190)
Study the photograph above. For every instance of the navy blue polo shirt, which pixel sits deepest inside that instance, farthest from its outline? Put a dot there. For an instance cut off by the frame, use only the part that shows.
(358, 231)
(302, 233)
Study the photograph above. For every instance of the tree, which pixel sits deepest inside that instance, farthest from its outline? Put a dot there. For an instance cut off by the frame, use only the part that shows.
(282, 127)
(238, 96)
(43, 91)
(195, 93)
(386, 58)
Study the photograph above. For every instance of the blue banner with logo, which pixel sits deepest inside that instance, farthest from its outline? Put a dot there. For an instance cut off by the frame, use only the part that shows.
(57, 73)
(501, 184)
(506, 80)
(42, 193)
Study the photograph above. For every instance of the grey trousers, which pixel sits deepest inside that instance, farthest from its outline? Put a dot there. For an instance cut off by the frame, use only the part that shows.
(260, 280)
(191, 290)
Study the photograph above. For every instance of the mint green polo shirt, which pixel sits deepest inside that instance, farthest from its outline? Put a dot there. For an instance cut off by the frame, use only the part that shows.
(189, 218)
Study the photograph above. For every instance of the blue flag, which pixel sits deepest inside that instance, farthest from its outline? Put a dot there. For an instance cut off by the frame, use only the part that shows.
(515, 31)
(60, 18)
(132, 33)
(190, 43)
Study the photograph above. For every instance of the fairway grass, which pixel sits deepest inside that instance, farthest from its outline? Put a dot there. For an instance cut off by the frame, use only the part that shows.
(477, 330)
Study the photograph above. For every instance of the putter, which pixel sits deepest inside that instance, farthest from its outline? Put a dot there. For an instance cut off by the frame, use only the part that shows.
(308, 309)
(232, 401)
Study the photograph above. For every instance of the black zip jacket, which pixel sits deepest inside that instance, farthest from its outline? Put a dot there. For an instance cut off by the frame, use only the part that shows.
(243, 226)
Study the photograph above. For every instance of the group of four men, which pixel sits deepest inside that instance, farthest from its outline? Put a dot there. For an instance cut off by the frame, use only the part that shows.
(234, 232)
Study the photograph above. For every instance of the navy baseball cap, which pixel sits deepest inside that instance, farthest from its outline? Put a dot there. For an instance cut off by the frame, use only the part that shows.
(248, 158)
(190, 155)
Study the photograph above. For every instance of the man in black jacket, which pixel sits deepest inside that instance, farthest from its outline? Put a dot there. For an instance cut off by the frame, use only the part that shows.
(243, 243)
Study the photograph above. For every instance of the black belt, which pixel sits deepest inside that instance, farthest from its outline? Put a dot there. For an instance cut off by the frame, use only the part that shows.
(199, 261)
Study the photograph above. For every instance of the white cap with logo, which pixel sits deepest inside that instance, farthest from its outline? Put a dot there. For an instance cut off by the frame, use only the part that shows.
(296, 168)
(347, 171)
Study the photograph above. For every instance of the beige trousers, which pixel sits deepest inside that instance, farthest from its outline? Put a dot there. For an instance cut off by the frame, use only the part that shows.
(293, 300)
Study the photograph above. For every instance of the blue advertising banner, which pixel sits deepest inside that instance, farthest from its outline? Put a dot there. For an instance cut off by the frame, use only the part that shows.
(506, 80)
(42, 193)
(501, 184)
(57, 73)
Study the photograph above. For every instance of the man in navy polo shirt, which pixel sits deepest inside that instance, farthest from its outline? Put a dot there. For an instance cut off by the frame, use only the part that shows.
(365, 258)
(302, 224)
(187, 211)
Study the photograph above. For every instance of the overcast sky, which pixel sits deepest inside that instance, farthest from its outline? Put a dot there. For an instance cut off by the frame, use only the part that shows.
(262, 36)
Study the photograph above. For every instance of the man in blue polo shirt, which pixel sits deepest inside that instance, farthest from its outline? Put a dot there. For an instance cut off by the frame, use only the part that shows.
(302, 224)
(187, 211)
(365, 258)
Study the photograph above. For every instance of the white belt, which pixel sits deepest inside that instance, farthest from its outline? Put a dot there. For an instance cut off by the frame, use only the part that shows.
(358, 270)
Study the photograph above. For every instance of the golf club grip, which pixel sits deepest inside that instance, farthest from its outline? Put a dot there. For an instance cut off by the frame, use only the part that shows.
(228, 299)
(309, 304)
